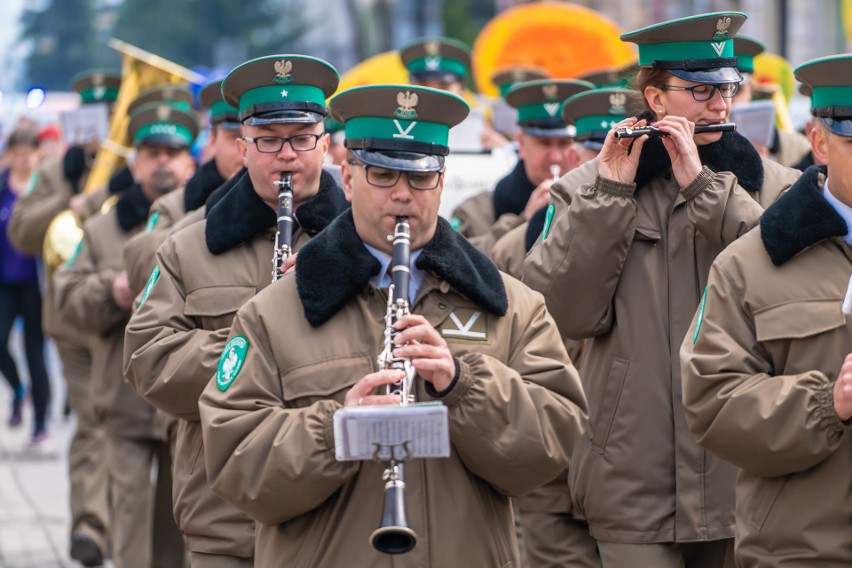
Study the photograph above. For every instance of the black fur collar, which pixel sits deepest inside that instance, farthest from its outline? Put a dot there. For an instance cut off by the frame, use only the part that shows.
(512, 192)
(217, 194)
(800, 218)
(201, 185)
(448, 255)
(74, 165)
(132, 208)
(120, 180)
(241, 214)
(731, 153)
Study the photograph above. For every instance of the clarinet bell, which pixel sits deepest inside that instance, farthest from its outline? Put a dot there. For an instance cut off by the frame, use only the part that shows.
(394, 535)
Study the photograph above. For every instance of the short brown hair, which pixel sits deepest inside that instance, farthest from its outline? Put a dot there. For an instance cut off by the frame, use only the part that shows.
(22, 137)
(648, 77)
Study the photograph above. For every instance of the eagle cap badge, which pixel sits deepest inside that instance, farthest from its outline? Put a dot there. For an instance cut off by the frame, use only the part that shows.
(164, 112)
(406, 101)
(432, 47)
(617, 103)
(722, 25)
(550, 90)
(283, 68)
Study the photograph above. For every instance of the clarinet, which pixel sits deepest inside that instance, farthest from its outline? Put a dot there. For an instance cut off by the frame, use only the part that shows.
(284, 234)
(394, 535)
(654, 132)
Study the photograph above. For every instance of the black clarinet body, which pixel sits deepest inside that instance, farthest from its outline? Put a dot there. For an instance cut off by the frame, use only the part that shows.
(394, 536)
(284, 233)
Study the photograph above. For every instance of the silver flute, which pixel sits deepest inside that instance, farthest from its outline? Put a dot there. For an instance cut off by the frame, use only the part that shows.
(284, 234)
(654, 132)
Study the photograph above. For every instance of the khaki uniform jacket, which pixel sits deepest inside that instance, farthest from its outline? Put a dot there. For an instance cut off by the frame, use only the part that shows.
(175, 337)
(85, 301)
(48, 197)
(515, 411)
(624, 267)
(474, 219)
(759, 366)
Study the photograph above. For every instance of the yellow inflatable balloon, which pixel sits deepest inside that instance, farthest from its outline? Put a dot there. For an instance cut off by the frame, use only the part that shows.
(385, 67)
(565, 39)
(770, 68)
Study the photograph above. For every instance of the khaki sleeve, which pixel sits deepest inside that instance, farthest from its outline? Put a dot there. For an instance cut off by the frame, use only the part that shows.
(766, 424)
(515, 424)
(272, 462)
(84, 292)
(578, 264)
(720, 209)
(167, 357)
(95, 200)
(33, 213)
(474, 215)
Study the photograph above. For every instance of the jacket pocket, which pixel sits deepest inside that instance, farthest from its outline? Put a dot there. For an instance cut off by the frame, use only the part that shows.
(799, 319)
(762, 500)
(216, 306)
(331, 378)
(602, 424)
(646, 234)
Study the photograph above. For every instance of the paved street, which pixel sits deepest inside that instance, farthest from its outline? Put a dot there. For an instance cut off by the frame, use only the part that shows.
(33, 483)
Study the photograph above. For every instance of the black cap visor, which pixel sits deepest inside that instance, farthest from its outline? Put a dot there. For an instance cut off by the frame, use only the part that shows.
(839, 126)
(400, 160)
(435, 75)
(715, 76)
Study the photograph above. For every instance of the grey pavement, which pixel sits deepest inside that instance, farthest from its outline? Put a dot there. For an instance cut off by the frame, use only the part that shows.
(34, 517)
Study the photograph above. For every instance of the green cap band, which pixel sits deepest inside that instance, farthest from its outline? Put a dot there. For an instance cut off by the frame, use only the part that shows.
(745, 63)
(831, 96)
(221, 108)
(597, 123)
(684, 50)
(99, 94)
(505, 88)
(397, 129)
(164, 129)
(437, 63)
(540, 111)
(281, 93)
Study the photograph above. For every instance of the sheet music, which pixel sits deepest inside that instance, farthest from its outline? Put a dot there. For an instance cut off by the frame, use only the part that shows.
(423, 426)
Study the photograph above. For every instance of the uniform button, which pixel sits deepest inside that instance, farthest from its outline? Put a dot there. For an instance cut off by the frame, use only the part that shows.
(370, 291)
(668, 176)
(442, 306)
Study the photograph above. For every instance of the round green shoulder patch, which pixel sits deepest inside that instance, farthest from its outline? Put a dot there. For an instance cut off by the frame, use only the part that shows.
(548, 220)
(455, 223)
(231, 361)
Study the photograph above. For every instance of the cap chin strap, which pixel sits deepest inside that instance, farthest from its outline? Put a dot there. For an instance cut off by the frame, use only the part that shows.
(695, 64)
(834, 111)
(301, 106)
(397, 146)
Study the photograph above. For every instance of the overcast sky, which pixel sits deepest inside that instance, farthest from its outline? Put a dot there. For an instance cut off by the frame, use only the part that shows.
(10, 12)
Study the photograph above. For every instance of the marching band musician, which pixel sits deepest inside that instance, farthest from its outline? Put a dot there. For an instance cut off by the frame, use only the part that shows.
(631, 238)
(93, 294)
(482, 344)
(544, 148)
(767, 370)
(206, 271)
(225, 161)
(56, 186)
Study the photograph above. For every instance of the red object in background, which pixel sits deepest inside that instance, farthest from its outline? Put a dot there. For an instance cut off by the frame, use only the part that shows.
(49, 133)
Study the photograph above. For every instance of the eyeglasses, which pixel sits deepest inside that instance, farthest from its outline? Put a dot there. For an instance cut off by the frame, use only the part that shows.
(383, 177)
(705, 92)
(273, 144)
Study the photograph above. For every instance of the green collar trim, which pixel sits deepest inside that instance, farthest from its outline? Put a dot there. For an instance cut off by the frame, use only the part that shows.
(548, 110)
(597, 123)
(831, 96)
(684, 50)
(164, 129)
(99, 95)
(397, 129)
(745, 63)
(437, 63)
(221, 108)
(281, 93)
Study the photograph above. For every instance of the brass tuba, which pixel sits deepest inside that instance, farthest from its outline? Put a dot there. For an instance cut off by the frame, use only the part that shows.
(140, 70)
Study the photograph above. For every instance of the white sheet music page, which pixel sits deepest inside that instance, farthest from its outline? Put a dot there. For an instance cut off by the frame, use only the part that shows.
(420, 429)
